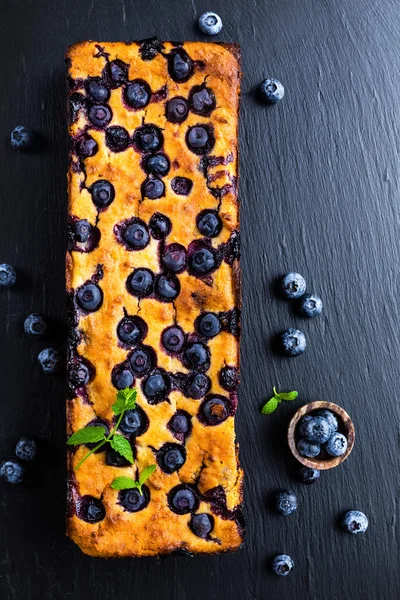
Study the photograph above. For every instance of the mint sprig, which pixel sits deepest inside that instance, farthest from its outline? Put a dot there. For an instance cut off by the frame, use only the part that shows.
(126, 400)
(273, 402)
(127, 483)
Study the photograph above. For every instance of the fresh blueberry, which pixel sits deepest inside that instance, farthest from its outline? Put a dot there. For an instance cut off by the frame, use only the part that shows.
(308, 449)
(214, 410)
(132, 500)
(36, 325)
(137, 94)
(82, 231)
(209, 223)
(200, 139)
(115, 459)
(136, 235)
(196, 356)
(142, 360)
(122, 378)
(89, 297)
(203, 261)
(316, 429)
(198, 386)
(97, 90)
(22, 138)
(303, 424)
(293, 285)
(285, 503)
(99, 115)
(157, 164)
(354, 522)
(153, 188)
(282, 565)
(229, 378)
(12, 471)
(86, 146)
(293, 342)
(336, 445)
(208, 325)
(160, 226)
(182, 186)
(308, 475)
(116, 72)
(271, 91)
(27, 448)
(182, 499)
(173, 339)
(171, 457)
(140, 283)
(176, 110)
(50, 361)
(202, 100)
(132, 330)
(134, 422)
(210, 23)
(90, 509)
(173, 258)
(103, 193)
(202, 524)
(167, 287)
(156, 387)
(117, 138)
(79, 374)
(180, 423)
(8, 276)
(148, 138)
(331, 418)
(310, 305)
(180, 65)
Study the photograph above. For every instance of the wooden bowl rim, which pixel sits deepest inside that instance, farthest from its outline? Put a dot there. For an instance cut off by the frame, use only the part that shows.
(314, 463)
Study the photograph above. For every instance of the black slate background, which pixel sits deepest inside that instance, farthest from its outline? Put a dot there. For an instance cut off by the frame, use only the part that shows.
(320, 194)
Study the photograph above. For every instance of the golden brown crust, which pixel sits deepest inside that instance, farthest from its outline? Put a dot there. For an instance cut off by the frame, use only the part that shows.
(212, 464)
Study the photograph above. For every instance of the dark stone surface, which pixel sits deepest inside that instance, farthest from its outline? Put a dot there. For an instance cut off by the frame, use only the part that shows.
(320, 195)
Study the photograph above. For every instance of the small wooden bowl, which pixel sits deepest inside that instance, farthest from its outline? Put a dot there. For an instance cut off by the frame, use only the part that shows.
(345, 426)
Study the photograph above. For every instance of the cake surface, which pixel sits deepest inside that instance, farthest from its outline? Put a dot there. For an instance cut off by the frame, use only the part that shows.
(154, 290)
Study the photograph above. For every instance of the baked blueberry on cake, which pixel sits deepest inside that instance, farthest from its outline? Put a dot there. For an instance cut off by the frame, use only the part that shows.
(153, 285)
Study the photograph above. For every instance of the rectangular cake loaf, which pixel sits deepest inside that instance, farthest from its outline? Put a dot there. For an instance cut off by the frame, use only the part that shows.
(153, 284)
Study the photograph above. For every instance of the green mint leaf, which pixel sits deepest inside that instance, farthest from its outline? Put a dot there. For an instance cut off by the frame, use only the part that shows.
(270, 406)
(123, 483)
(275, 392)
(145, 474)
(122, 446)
(126, 400)
(288, 395)
(87, 435)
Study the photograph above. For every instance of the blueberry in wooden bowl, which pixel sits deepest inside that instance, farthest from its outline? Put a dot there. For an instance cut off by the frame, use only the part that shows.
(321, 435)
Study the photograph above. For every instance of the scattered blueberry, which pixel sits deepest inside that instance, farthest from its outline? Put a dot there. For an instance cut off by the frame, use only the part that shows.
(142, 360)
(160, 226)
(182, 186)
(336, 445)
(132, 330)
(86, 146)
(134, 422)
(271, 90)
(203, 261)
(331, 418)
(99, 115)
(310, 305)
(132, 500)
(308, 449)
(293, 342)
(167, 287)
(229, 378)
(202, 524)
(140, 283)
(198, 386)
(12, 471)
(50, 361)
(36, 325)
(173, 258)
(156, 387)
(173, 339)
(316, 429)
(157, 164)
(89, 297)
(117, 138)
(196, 356)
(285, 503)
(180, 422)
(200, 139)
(214, 410)
(182, 499)
(153, 188)
(116, 72)
(176, 110)
(282, 565)
(90, 509)
(180, 65)
(208, 325)
(171, 457)
(103, 193)
(97, 90)
(82, 231)
(148, 138)
(22, 138)
(137, 94)
(209, 223)
(8, 276)
(122, 378)
(354, 522)
(293, 285)
(79, 374)
(27, 448)
(308, 475)
(202, 100)
(210, 23)
(136, 235)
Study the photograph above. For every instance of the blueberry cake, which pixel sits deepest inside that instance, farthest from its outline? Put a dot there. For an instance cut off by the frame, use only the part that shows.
(154, 290)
